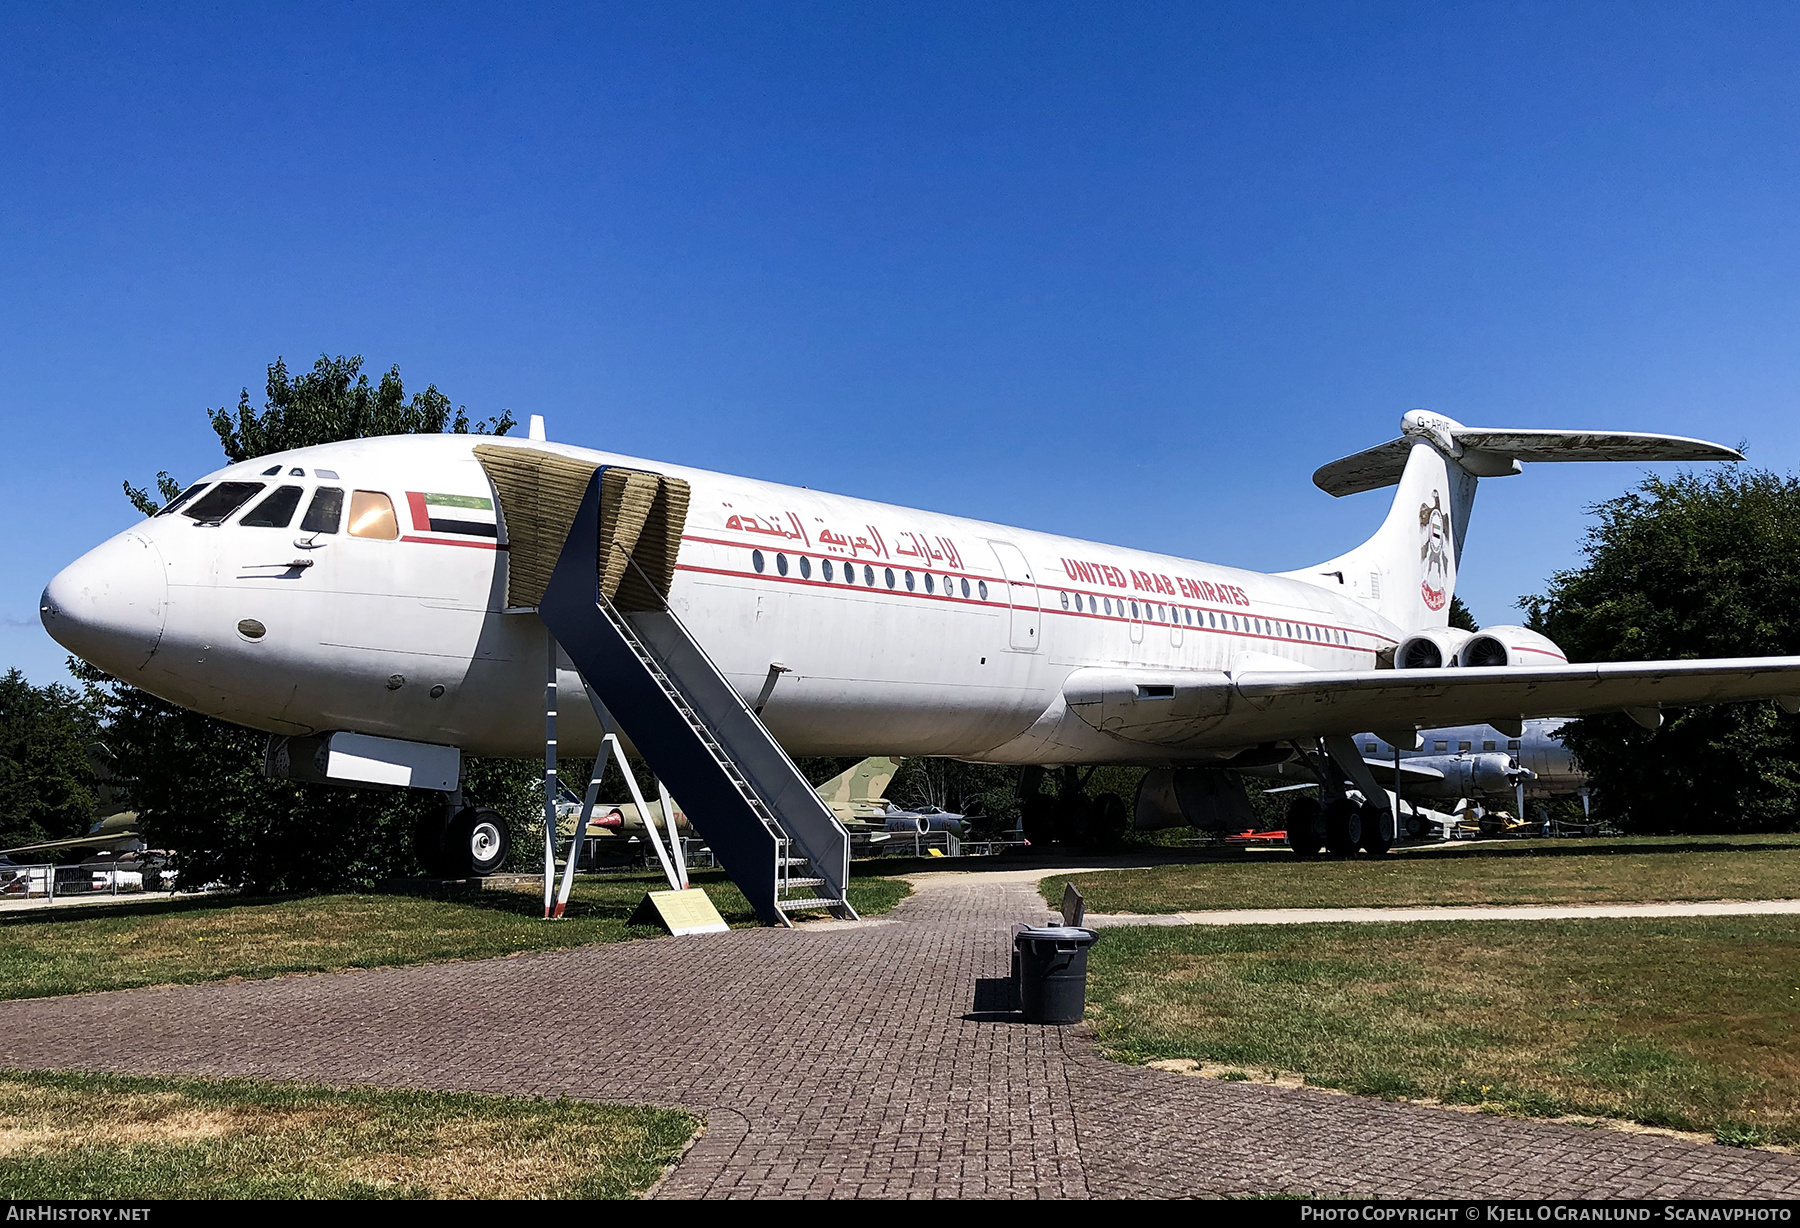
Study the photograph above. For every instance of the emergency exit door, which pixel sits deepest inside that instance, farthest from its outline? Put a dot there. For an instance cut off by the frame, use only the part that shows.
(1022, 592)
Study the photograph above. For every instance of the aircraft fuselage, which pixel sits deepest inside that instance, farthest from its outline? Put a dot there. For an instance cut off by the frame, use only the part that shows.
(901, 631)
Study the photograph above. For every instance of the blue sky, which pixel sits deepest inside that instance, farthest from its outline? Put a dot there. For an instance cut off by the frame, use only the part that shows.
(1126, 272)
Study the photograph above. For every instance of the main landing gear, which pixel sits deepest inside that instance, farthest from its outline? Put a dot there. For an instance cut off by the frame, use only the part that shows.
(1070, 816)
(1340, 827)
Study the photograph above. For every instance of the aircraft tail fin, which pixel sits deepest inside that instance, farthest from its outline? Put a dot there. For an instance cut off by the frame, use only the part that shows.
(1407, 570)
(857, 793)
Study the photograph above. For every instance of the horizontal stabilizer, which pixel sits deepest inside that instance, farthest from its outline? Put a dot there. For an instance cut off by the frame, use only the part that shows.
(1370, 469)
(1488, 452)
(1533, 445)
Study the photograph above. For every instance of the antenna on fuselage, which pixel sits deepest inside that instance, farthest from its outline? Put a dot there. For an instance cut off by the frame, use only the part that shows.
(537, 427)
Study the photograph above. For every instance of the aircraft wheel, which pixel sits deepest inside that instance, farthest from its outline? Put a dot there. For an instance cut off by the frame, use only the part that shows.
(429, 841)
(1038, 816)
(1305, 826)
(1108, 820)
(1343, 827)
(477, 843)
(1070, 819)
(1377, 829)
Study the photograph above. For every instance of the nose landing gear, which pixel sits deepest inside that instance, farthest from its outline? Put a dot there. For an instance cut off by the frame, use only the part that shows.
(472, 842)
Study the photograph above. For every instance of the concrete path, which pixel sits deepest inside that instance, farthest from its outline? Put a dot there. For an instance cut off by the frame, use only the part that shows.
(848, 1060)
(1472, 912)
(87, 898)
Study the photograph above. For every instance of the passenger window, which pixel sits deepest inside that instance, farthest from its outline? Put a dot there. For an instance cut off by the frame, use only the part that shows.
(928, 587)
(909, 581)
(372, 515)
(756, 561)
(182, 498)
(1368, 748)
(1065, 601)
(890, 576)
(982, 585)
(805, 568)
(1465, 747)
(965, 586)
(221, 501)
(1442, 746)
(868, 575)
(1513, 744)
(1487, 746)
(781, 563)
(275, 512)
(326, 510)
(825, 568)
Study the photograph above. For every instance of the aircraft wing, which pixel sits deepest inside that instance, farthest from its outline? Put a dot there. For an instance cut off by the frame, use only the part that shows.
(1194, 708)
(1384, 770)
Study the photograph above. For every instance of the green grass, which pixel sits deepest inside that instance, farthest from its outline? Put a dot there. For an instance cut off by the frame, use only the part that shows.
(98, 947)
(83, 1136)
(1692, 1024)
(1521, 872)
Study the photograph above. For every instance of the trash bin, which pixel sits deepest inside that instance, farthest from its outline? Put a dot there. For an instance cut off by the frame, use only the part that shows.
(1052, 972)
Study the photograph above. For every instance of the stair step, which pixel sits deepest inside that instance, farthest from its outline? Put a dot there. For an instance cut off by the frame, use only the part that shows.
(817, 902)
(791, 883)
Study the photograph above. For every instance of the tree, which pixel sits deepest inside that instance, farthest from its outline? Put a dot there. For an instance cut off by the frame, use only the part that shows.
(198, 783)
(1701, 565)
(332, 402)
(1460, 615)
(46, 778)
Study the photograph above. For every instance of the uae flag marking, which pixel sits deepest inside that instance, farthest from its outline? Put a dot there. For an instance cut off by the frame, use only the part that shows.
(467, 515)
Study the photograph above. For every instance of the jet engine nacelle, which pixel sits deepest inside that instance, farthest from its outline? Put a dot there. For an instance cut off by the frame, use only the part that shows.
(1509, 646)
(1432, 648)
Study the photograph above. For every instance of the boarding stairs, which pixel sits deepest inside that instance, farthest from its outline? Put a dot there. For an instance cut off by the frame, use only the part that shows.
(766, 825)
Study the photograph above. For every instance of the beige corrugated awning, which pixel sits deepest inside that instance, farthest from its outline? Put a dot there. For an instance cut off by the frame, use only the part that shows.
(641, 518)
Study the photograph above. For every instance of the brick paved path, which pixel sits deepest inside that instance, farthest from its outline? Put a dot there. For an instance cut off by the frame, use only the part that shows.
(887, 1088)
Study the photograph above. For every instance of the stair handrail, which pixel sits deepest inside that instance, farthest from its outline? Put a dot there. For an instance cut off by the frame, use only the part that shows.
(743, 707)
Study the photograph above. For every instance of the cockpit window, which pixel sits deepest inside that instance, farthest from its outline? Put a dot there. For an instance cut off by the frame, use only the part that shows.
(221, 501)
(372, 515)
(182, 498)
(276, 511)
(326, 510)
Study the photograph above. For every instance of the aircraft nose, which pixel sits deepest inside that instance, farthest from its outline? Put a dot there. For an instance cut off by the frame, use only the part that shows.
(108, 606)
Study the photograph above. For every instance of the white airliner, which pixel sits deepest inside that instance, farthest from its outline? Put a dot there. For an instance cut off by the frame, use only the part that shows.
(361, 587)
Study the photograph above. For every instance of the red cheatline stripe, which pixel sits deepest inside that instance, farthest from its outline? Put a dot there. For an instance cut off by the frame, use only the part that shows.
(448, 541)
(835, 587)
(1178, 603)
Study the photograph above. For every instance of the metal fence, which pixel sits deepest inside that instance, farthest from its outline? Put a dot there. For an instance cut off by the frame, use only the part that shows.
(51, 882)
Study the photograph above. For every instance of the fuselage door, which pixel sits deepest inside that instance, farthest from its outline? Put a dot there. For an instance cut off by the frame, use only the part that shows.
(1022, 591)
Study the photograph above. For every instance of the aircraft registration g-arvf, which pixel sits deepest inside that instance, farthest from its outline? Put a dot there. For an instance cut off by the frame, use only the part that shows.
(361, 590)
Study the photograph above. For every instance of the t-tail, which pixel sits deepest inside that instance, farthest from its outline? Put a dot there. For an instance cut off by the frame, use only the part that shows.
(1407, 571)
